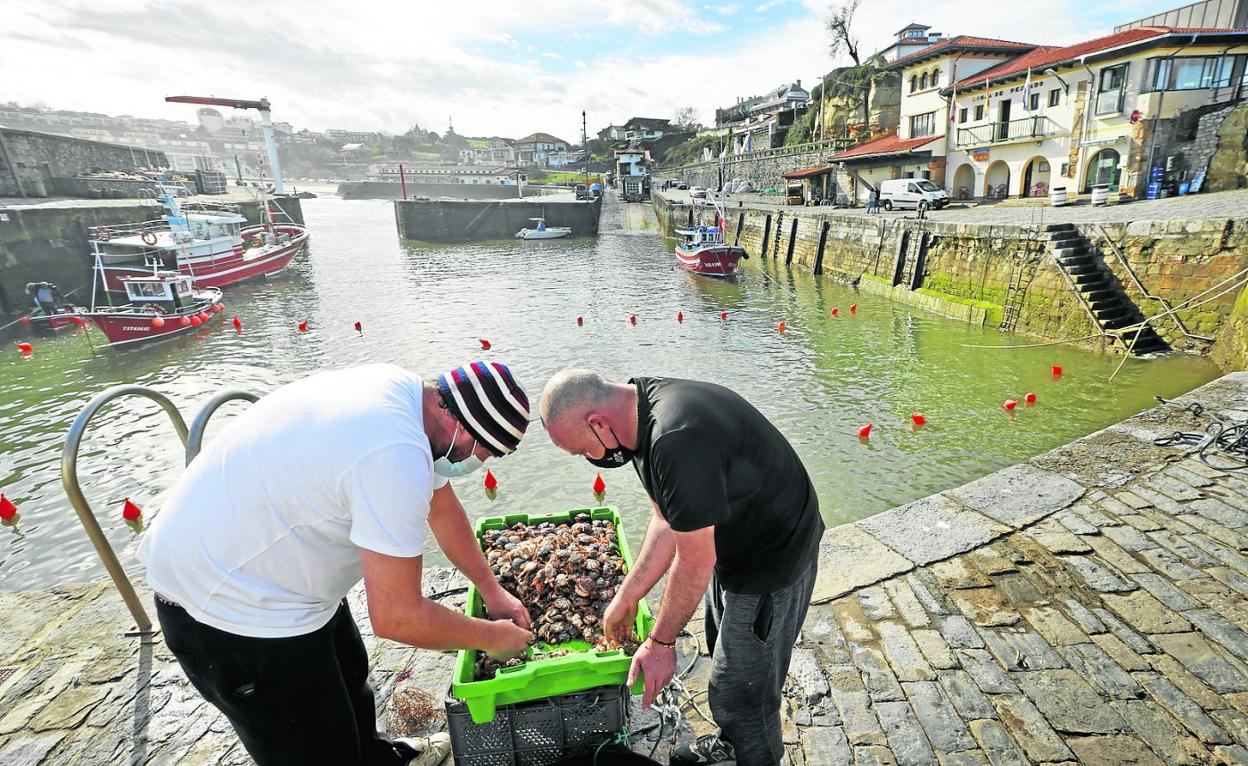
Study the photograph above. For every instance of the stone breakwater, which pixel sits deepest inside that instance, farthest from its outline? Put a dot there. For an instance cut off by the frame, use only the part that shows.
(1089, 605)
(970, 269)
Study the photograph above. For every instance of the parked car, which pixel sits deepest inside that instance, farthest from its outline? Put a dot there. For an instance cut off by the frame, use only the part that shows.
(697, 192)
(582, 191)
(682, 185)
(917, 193)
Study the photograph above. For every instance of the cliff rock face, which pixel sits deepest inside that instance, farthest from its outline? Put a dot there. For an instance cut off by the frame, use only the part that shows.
(1228, 168)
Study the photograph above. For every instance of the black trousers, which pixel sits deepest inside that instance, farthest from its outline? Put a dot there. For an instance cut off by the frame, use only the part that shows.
(299, 700)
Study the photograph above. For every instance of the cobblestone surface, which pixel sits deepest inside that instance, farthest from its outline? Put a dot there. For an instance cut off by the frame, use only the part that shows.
(1106, 622)
(1228, 204)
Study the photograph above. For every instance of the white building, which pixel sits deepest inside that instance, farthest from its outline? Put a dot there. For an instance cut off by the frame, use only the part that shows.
(444, 174)
(538, 148)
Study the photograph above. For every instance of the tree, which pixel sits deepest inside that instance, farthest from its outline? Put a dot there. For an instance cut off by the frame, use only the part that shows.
(840, 22)
(686, 119)
(853, 83)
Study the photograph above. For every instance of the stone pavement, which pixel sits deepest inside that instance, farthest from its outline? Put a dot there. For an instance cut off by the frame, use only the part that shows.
(1087, 606)
(1229, 204)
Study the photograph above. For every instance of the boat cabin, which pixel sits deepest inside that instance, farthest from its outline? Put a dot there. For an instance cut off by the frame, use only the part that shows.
(213, 226)
(164, 287)
(702, 236)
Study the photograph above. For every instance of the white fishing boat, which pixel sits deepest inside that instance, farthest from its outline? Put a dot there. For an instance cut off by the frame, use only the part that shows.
(542, 231)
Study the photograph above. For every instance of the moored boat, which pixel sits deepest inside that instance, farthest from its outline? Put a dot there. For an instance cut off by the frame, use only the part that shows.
(160, 304)
(208, 243)
(542, 231)
(704, 252)
(51, 314)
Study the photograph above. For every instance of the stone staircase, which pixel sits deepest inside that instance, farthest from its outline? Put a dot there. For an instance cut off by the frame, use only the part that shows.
(1102, 295)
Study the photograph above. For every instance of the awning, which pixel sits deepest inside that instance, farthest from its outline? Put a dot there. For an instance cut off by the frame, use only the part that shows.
(809, 172)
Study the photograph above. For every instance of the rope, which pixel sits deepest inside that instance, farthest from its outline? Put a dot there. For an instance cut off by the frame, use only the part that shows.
(1227, 438)
(1038, 345)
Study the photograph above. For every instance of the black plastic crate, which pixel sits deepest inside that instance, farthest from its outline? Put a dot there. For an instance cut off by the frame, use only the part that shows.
(538, 733)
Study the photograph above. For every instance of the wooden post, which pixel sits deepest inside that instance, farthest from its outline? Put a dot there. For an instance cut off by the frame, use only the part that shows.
(736, 237)
(403, 180)
(788, 257)
(823, 240)
(762, 251)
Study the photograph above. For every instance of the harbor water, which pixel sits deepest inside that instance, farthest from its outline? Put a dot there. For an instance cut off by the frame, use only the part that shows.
(425, 308)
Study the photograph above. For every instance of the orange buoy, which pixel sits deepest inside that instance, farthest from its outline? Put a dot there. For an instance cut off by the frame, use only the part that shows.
(359, 327)
(485, 344)
(25, 348)
(1029, 397)
(78, 321)
(238, 324)
(836, 311)
(130, 511)
(633, 319)
(781, 328)
(918, 419)
(158, 322)
(680, 316)
(1010, 404)
(600, 486)
(184, 321)
(204, 316)
(303, 326)
(853, 308)
(490, 482)
(723, 315)
(1057, 370)
(865, 431)
(196, 321)
(580, 321)
(7, 509)
(26, 321)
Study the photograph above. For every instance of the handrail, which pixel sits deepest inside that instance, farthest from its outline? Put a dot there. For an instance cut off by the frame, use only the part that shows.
(1087, 307)
(1143, 290)
(1034, 126)
(777, 151)
(69, 478)
(194, 440)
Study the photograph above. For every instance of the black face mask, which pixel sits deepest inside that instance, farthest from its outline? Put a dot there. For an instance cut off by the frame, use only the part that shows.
(612, 457)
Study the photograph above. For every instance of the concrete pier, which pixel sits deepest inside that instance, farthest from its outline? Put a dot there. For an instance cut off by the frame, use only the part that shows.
(1087, 606)
(447, 221)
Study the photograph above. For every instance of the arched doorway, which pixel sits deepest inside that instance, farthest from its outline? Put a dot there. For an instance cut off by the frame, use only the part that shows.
(963, 182)
(1036, 178)
(1102, 169)
(997, 180)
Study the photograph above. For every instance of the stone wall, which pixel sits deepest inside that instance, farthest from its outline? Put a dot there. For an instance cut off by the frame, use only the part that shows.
(763, 169)
(32, 163)
(1228, 169)
(973, 265)
(445, 221)
(394, 190)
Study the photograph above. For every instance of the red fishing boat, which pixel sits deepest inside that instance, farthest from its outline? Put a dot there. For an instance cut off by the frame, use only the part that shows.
(51, 313)
(705, 252)
(160, 304)
(207, 243)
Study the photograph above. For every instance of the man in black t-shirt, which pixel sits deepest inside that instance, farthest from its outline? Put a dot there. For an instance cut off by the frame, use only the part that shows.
(736, 520)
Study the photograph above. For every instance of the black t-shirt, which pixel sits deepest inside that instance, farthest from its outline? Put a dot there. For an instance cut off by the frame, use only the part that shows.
(708, 458)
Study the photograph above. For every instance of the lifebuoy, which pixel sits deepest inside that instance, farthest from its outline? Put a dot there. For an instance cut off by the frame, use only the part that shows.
(148, 236)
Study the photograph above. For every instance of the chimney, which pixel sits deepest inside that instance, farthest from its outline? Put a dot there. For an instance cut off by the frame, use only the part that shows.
(799, 83)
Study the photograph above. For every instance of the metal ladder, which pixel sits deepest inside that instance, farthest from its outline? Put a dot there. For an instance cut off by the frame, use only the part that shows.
(1021, 275)
(192, 440)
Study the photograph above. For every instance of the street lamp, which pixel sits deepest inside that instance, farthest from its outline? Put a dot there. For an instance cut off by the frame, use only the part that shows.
(1053, 72)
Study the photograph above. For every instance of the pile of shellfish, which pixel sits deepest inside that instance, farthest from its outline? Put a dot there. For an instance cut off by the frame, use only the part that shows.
(565, 574)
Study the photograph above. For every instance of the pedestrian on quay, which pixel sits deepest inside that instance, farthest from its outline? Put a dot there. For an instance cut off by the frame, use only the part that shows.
(735, 523)
(321, 482)
(873, 200)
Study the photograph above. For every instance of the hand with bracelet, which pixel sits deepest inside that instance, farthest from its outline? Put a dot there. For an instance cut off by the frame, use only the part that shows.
(656, 662)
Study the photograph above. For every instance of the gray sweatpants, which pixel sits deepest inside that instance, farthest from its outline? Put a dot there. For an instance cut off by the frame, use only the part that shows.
(751, 642)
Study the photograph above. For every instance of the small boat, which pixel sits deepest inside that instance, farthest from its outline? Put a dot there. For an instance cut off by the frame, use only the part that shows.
(160, 304)
(51, 314)
(542, 231)
(705, 252)
(206, 242)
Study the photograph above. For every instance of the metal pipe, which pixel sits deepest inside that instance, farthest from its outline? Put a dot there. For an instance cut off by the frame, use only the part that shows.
(69, 478)
(195, 439)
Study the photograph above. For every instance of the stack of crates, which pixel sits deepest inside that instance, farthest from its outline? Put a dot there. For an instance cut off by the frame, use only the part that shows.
(538, 712)
(210, 181)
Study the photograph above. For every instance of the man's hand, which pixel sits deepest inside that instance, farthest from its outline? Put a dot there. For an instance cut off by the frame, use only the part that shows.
(618, 620)
(505, 640)
(657, 665)
(501, 605)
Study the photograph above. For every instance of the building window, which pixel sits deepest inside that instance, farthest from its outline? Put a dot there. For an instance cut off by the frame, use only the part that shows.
(962, 115)
(935, 78)
(979, 112)
(923, 82)
(922, 124)
(914, 83)
(1055, 97)
(1034, 102)
(1111, 89)
(1191, 72)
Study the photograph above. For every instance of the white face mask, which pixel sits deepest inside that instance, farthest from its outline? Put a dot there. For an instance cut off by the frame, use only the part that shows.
(444, 467)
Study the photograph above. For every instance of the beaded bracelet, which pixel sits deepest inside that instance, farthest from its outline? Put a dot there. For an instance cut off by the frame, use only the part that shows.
(671, 645)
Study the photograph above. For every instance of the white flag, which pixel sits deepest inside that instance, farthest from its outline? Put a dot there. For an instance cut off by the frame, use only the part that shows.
(1027, 91)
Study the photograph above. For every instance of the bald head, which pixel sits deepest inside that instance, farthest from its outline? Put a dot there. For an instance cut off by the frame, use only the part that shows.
(576, 403)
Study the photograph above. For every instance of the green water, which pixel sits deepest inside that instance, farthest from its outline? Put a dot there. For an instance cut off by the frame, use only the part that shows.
(425, 308)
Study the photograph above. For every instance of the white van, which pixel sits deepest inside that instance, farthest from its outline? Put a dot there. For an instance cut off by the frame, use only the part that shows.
(918, 193)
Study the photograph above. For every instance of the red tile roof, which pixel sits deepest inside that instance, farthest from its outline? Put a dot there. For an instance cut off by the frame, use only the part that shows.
(959, 43)
(1046, 56)
(887, 144)
(543, 138)
(808, 172)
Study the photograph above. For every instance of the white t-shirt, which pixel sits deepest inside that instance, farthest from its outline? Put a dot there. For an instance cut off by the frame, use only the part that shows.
(261, 535)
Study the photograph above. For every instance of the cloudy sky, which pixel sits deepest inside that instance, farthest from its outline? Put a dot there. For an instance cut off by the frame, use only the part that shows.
(503, 67)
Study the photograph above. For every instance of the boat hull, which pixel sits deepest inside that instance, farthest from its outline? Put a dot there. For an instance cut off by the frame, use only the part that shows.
(554, 233)
(51, 325)
(718, 261)
(123, 328)
(224, 268)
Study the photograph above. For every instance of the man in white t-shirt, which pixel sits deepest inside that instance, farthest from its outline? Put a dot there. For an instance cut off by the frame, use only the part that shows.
(322, 482)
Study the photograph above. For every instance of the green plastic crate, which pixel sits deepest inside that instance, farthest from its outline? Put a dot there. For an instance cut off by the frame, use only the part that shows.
(538, 679)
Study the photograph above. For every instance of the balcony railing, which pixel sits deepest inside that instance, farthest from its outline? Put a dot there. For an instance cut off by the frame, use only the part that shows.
(1000, 132)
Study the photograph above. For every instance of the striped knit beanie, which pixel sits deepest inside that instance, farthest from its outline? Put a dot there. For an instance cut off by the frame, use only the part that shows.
(486, 399)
